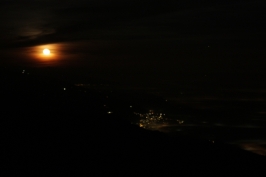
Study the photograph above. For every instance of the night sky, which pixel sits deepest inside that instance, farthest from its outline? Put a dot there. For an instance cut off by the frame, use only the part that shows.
(207, 56)
(137, 40)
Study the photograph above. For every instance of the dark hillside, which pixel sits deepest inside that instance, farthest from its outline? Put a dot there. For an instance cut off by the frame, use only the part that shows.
(51, 128)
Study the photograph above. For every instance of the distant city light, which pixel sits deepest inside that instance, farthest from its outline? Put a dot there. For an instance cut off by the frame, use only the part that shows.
(151, 119)
(109, 112)
(64, 88)
(180, 121)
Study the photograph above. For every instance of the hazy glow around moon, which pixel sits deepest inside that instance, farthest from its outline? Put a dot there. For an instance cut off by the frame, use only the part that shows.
(46, 51)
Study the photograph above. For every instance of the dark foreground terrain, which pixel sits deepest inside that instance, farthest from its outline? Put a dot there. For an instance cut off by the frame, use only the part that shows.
(50, 128)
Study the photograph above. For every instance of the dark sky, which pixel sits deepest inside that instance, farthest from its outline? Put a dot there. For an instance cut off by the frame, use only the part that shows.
(135, 39)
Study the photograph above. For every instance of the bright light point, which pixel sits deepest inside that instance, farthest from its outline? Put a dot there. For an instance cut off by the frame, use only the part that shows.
(46, 51)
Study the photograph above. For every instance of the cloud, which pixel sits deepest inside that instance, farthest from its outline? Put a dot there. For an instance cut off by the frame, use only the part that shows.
(31, 22)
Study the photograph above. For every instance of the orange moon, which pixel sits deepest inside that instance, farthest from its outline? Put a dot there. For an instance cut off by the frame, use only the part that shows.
(46, 51)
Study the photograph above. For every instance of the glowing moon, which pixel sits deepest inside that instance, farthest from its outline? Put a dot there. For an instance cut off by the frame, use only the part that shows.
(46, 51)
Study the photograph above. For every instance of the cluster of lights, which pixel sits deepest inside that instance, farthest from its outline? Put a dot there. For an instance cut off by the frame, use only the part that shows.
(24, 72)
(150, 119)
(180, 121)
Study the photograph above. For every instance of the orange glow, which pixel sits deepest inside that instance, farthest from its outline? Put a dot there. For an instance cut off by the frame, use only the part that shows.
(60, 54)
(46, 53)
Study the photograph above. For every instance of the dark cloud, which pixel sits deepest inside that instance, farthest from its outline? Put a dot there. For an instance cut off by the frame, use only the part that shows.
(34, 22)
